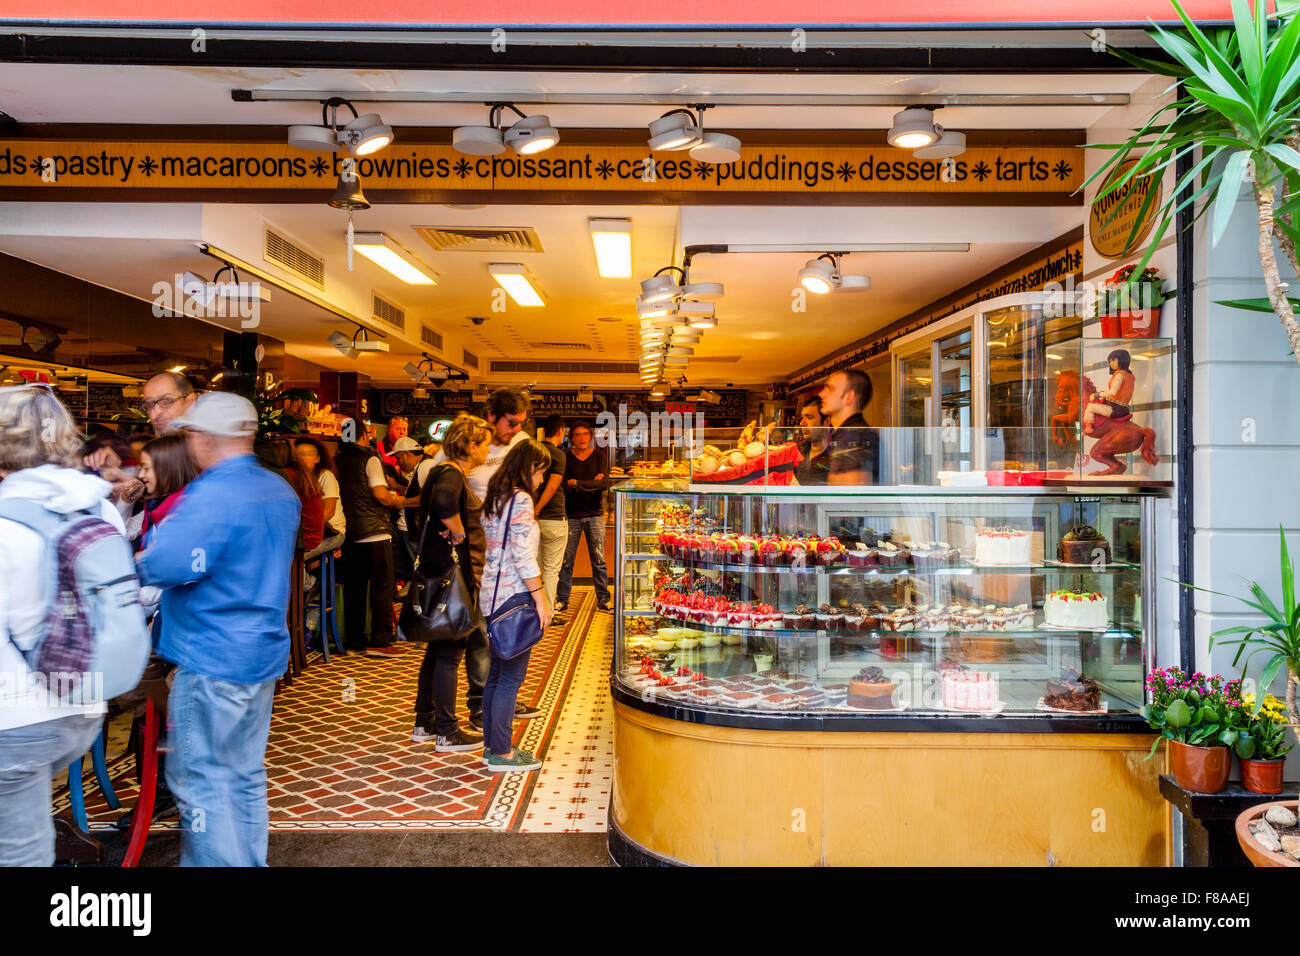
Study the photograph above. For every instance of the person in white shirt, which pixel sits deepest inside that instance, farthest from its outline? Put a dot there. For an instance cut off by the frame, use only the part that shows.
(317, 462)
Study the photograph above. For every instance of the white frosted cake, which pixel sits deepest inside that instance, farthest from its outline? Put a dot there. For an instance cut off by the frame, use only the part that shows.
(970, 690)
(1081, 609)
(1002, 546)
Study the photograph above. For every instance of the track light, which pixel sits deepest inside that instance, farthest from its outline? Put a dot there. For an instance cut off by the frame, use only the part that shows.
(363, 136)
(661, 288)
(698, 315)
(702, 291)
(676, 129)
(716, 148)
(913, 128)
(822, 275)
(529, 135)
(646, 310)
(419, 392)
(950, 143)
(358, 344)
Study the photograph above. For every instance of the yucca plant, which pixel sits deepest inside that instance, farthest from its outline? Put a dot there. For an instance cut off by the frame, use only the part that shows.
(1278, 637)
(1236, 118)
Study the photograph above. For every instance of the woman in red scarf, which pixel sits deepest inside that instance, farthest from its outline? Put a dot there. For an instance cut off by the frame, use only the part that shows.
(165, 469)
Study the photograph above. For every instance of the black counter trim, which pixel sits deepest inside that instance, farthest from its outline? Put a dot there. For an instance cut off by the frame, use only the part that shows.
(624, 851)
(882, 723)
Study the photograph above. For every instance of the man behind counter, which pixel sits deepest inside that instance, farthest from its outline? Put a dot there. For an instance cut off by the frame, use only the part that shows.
(852, 449)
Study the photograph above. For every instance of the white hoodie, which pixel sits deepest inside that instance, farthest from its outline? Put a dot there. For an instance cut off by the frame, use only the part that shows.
(23, 571)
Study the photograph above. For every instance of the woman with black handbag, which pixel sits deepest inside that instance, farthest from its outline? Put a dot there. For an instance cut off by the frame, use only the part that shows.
(512, 597)
(444, 510)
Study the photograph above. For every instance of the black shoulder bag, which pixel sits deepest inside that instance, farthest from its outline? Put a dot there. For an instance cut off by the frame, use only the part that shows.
(437, 609)
(514, 627)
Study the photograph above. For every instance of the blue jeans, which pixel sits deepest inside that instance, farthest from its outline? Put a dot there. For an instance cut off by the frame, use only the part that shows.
(217, 733)
(594, 525)
(499, 695)
(29, 758)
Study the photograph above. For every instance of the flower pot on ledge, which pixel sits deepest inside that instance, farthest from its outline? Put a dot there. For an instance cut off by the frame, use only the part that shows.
(1262, 776)
(1139, 323)
(1200, 769)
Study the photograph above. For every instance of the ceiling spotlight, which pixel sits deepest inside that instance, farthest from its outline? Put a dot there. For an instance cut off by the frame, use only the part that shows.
(661, 288)
(419, 392)
(513, 277)
(646, 310)
(358, 344)
(853, 283)
(387, 254)
(698, 315)
(702, 291)
(529, 135)
(950, 143)
(818, 275)
(364, 135)
(913, 128)
(718, 148)
(659, 390)
(415, 373)
(676, 129)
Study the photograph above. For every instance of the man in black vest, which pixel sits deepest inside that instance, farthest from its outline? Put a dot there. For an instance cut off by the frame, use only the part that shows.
(368, 548)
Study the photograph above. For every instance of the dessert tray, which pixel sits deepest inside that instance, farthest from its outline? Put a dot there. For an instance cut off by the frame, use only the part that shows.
(1042, 705)
(985, 564)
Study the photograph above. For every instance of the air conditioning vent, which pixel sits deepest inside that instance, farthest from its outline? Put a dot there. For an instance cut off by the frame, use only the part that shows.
(388, 313)
(430, 337)
(576, 368)
(569, 346)
(470, 359)
(293, 258)
(467, 239)
(698, 359)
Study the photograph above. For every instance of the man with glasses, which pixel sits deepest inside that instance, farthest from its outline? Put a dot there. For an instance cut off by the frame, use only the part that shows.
(506, 410)
(167, 396)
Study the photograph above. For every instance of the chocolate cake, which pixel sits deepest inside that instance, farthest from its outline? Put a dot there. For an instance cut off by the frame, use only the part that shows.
(1080, 544)
(870, 689)
(1072, 691)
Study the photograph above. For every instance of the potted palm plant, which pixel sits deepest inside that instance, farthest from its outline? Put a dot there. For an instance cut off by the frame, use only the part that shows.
(1235, 122)
(1199, 718)
(1262, 746)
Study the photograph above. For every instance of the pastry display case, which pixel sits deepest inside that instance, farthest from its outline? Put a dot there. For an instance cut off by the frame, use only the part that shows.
(988, 609)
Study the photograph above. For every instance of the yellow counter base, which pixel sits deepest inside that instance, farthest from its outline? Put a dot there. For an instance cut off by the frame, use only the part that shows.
(720, 796)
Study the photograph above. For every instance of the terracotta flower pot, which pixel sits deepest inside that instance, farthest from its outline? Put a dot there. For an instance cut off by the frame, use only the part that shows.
(1200, 769)
(1111, 326)
(1262, 776)
(1139, 323)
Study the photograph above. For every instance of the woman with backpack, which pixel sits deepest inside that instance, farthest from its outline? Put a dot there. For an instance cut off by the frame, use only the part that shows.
(41, 731)
(511, 570)
(445, 507)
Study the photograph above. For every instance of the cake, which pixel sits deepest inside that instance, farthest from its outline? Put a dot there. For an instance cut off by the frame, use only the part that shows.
(870, 689)
(891, 555)
(970, 690)
(830, 618)
(899, 619)
(1002, 546)
(1018, 618)
(765, 617)
(830, 551)
(796, 553)
(1083, 544)
(771, 551)
(933, 554)
(855, 618)
(1085, 610)
(932, 618)
(1072, 691)
(746, 550)
(862, 556)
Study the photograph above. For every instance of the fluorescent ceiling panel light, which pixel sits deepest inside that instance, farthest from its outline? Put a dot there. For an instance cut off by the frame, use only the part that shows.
(388, 255)
(612, 241)
(512, 277)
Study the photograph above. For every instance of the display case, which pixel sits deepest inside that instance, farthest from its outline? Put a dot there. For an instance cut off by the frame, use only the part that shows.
(965, 609)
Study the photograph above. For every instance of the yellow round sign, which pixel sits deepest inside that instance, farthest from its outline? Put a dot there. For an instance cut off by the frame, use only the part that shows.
(1112, 231)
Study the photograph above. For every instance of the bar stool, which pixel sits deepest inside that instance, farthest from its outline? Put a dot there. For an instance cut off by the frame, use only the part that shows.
(76, 786)
(325, 603)
(148, 773)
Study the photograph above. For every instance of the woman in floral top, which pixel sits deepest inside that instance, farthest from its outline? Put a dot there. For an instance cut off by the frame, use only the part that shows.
(511, 569)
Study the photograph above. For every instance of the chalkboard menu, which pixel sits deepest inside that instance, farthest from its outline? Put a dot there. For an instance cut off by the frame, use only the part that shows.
(99, 403)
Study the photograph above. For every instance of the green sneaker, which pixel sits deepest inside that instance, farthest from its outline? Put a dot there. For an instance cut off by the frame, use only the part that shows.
(519, 761)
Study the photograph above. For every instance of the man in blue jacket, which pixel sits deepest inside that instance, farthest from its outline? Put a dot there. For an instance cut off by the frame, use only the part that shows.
(223, 558)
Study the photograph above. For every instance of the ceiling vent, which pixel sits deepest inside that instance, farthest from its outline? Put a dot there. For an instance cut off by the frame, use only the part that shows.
(293, 258)
(467, 239)
(470, 358)
(431, 337)
(567, 346)
(572, 368)
(387, 313)
(698, 359)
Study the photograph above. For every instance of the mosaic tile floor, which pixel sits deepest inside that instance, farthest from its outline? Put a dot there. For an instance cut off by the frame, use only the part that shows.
(340, 755)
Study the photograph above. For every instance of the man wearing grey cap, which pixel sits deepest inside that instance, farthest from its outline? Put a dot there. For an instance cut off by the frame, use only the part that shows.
(223, 558)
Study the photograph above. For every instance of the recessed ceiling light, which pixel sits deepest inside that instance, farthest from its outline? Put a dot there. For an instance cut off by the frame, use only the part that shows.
(387, 254)
(512, 277)
(612, 241)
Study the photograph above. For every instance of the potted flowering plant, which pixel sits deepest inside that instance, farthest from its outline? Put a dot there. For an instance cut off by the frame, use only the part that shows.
(1202, 720)
(1262, 746)
(1129, 302)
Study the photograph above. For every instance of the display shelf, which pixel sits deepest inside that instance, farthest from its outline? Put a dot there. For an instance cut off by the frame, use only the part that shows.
(877, 571)
(1113, 633)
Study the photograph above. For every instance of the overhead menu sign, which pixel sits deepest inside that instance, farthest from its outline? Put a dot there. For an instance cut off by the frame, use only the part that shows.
(424, 167)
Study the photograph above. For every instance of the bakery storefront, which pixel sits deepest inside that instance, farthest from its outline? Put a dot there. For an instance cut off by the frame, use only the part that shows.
(953, 644)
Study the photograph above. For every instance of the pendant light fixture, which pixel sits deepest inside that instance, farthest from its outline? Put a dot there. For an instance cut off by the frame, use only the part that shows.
(684, 129)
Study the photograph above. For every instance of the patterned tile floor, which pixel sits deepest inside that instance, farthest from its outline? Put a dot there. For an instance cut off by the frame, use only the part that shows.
(340, 755)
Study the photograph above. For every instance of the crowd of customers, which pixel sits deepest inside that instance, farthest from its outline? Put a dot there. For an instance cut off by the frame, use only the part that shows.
(214, 528)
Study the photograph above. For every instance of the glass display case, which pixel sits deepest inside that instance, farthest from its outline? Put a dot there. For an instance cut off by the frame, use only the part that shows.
(988, 608)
